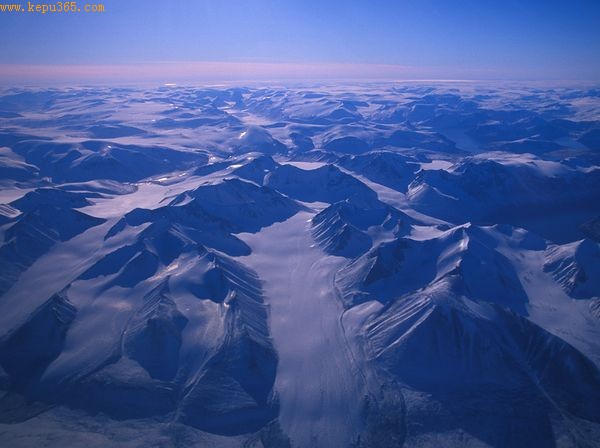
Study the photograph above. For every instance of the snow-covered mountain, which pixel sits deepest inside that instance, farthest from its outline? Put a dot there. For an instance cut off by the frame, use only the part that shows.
(576, 266)
(311, 266)
(34, 223)
(324, 184)
(347, 228)
(457, 363)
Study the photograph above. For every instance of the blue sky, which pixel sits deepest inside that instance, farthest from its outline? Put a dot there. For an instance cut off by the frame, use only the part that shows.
(454, 39)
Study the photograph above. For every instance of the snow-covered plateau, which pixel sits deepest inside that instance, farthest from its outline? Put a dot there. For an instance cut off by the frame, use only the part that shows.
(369, 265)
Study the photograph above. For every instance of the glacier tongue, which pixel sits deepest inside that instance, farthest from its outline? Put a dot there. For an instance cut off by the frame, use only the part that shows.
(319, 381)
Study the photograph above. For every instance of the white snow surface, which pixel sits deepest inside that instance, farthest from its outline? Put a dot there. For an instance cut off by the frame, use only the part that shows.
(318, 379)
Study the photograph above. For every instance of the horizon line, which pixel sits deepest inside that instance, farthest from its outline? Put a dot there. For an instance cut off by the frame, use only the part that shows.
(169, 72)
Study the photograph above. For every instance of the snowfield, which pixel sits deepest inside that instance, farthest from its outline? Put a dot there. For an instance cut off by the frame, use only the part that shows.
(370, 265)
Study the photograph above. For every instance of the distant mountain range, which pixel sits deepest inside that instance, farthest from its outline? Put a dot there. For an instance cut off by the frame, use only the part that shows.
(383, 265)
